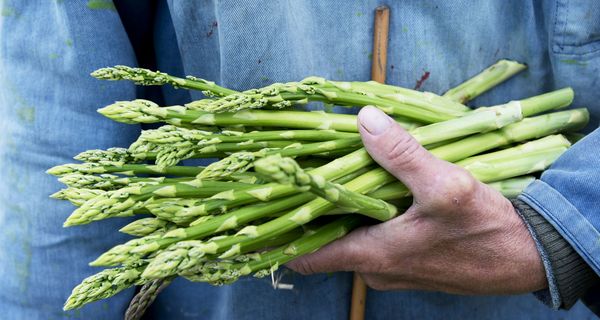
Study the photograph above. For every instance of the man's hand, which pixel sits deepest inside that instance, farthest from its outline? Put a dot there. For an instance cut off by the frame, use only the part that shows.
(459, 235)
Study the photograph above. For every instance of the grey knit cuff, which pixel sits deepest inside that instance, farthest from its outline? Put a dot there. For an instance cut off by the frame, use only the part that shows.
(569, 276)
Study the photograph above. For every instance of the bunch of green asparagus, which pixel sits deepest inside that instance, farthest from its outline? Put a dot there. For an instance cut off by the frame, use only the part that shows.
(287, 182)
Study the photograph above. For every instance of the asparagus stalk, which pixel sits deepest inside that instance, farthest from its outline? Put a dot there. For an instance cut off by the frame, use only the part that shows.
(535, 161)
(472, 122)
(126, 169)
(170, 134)
(287, 171)
(111, 182)
(145, 297)
(143, 111)
(156, 78)
(487, 79)
(424, 100)
(100, 182)
(548, 101)
(528, 128)
(548, 142)
(511, 188)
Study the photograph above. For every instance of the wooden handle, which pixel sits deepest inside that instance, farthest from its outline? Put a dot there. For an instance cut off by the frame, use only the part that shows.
(380, 43)
(359, 297)
(378, 69)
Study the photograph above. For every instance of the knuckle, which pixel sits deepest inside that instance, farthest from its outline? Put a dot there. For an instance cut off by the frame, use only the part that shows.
(403, 153)
(456, 187)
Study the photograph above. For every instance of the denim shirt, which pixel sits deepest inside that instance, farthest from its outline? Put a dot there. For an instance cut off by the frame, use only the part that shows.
(48, 102)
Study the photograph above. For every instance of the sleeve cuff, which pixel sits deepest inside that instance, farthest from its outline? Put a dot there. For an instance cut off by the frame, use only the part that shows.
(569, 276)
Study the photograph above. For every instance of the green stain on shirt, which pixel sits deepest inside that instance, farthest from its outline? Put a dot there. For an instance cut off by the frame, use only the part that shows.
(101, 5)
(575, 62)
(7, 12)
(26, 114)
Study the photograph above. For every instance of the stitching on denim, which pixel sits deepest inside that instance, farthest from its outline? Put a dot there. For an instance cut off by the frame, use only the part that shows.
(580, 54)
(558, 33)
(555, 28)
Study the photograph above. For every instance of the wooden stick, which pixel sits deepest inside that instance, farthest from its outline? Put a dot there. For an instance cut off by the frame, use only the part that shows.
(378, 72)
(380, 43)
(359, 297)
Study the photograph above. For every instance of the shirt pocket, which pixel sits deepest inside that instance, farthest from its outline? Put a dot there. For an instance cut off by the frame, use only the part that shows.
(576, 27)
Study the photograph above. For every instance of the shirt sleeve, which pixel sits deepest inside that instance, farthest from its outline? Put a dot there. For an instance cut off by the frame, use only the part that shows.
(569, 276)
(567, 196)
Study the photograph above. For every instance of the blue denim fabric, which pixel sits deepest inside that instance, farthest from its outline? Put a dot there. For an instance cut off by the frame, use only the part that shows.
(48, 102)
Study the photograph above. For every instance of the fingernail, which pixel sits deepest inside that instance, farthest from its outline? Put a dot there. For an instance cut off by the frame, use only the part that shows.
(374, 120)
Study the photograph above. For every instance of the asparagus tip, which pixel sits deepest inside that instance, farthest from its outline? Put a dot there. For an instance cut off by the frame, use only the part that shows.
(59, 170)
(132, 112)
(60, 195)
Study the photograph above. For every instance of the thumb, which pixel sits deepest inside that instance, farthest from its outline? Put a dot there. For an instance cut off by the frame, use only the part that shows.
(397, 151)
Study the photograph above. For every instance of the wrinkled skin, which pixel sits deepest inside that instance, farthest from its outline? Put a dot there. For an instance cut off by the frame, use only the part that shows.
(459, 236)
